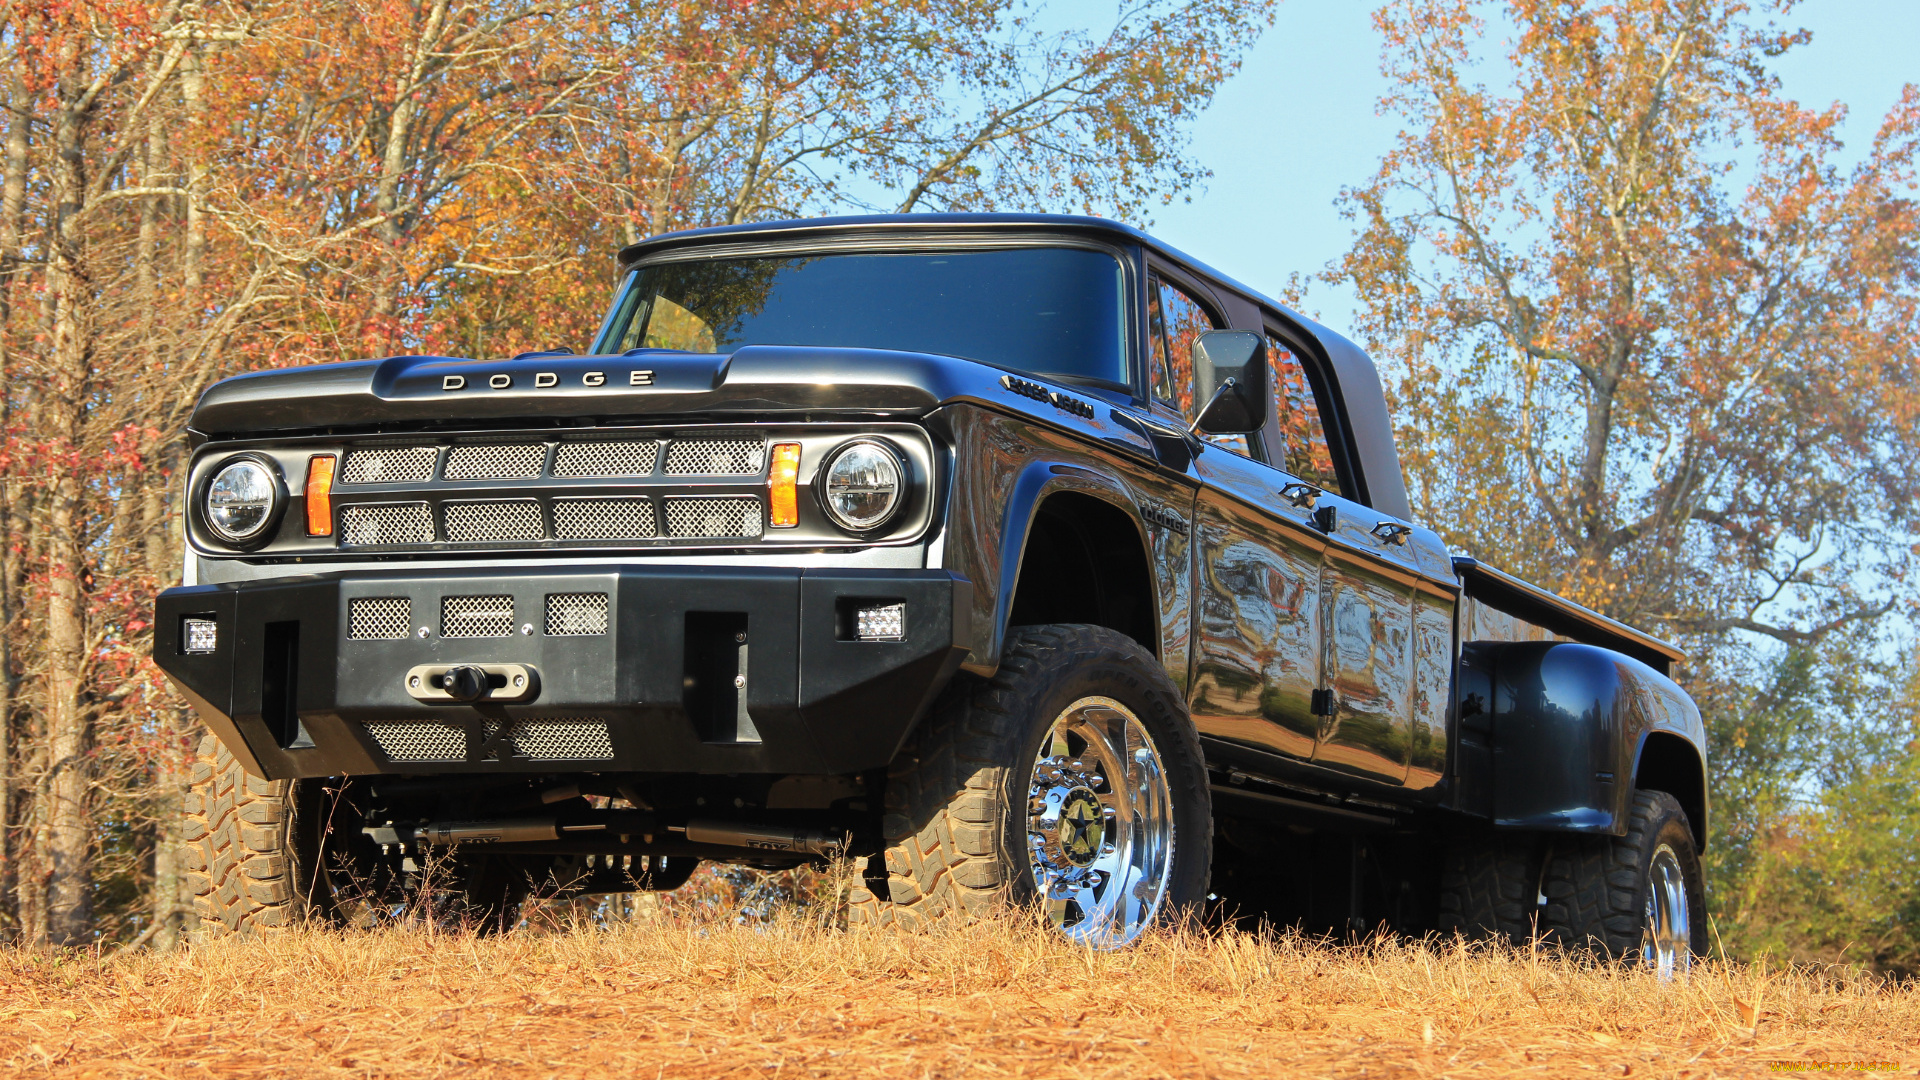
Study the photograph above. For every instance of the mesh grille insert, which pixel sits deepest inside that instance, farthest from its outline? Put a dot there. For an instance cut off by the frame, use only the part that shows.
(717, 517)
(476, 616)
(495, 462)
(571, 739)
(379, 618)
(392, 523)
(416, 741)
(605, 459)
(602, 519)
(486, 522)
(388, 465)
(576, 614)
(716, 457)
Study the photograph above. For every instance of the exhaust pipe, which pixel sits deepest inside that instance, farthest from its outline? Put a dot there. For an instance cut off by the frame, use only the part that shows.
(760, 837)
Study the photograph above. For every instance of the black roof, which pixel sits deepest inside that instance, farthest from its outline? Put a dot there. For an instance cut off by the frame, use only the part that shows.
(1358, 382)
(829, 226)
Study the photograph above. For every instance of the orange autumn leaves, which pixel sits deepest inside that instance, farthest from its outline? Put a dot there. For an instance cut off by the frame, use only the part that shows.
(1641, 318)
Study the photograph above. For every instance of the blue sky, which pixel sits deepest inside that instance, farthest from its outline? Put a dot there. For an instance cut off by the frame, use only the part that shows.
(1297, 124)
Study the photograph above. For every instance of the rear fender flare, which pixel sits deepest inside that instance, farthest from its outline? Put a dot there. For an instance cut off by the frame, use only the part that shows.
(1570, 723)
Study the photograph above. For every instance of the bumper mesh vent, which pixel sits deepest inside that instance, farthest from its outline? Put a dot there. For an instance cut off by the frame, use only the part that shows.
(570, 739)
(491, 522)
(602, 519)
(714, 518)
(605, 459)
(417, 741)
(476, 616)
(388, 465)
(379, 618)
(495, 462)
(716, 457)
(576, 614)
(392, 523)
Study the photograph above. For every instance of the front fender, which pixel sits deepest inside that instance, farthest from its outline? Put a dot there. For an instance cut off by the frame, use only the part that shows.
(1004, 469)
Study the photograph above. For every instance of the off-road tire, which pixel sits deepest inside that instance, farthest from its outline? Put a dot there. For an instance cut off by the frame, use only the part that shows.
(244, 867)
(1596, 886)
(954, 824)
(252, 851)
(1490, 886)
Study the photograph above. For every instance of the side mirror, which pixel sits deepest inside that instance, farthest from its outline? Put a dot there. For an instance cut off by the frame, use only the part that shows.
(1230, 375)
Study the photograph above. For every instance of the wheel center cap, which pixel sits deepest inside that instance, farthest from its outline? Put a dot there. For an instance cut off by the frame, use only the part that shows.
(1082, 827)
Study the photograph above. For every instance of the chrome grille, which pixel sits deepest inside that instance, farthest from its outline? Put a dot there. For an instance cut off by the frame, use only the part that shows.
(389, 523)
(714, 517)
(716, 457)
(602, 519)
(605, 459)
(379, 618)
(576, 614)
(417, 741)
(476, 616)
(571, 739)
(495, 462)
(490, 522)
(388, 465)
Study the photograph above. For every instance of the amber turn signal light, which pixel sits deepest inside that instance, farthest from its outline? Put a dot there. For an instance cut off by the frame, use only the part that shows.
(320, 495)
(783, 479)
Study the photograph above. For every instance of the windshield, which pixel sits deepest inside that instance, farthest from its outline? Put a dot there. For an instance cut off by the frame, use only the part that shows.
(1046, 311)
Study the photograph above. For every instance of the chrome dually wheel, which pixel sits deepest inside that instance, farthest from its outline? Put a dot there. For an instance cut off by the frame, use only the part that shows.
(1100, 824)
(1060, 783)
(1669, 924)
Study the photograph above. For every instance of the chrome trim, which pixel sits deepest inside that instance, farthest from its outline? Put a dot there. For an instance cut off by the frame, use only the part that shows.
(1100, 828)
(1668, 947)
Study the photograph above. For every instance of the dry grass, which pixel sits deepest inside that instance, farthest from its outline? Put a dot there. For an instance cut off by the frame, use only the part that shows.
(680, 998)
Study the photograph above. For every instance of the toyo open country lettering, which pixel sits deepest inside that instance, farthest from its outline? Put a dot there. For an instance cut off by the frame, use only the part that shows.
(1020, 558)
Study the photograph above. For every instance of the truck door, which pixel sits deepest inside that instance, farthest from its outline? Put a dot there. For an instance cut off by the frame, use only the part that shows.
(1258, 643)
(1369, 581)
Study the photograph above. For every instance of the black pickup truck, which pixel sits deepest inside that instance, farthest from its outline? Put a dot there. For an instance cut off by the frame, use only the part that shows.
(1017, 558)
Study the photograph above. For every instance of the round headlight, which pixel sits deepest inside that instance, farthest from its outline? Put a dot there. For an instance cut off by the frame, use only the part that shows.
(240, 501)
(864, 486)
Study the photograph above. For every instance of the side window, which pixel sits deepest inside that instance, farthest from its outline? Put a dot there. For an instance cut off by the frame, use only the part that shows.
(1306, 455)
(1175, 321)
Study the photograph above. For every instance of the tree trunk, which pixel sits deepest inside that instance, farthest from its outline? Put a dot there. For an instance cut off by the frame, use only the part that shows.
(13, 198)
(69, 825)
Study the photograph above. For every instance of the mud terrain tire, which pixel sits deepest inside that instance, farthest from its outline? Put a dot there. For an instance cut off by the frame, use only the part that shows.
(1597, 886)
(955, 819)
(253, 846)
(244, 869)
(1490, 886)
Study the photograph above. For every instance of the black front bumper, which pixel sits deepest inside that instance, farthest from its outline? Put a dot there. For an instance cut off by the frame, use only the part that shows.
(292, 695)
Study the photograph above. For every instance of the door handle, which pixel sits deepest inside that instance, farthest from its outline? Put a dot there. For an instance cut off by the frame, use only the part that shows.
(1300, 494)
(1391, 532)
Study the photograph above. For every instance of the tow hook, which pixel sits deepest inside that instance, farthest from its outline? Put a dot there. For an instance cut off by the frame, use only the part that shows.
(461, 684)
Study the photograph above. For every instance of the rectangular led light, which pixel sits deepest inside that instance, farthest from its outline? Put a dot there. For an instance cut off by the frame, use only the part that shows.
(198, 637)
(783, 479)
(320, 495)
(882, 622)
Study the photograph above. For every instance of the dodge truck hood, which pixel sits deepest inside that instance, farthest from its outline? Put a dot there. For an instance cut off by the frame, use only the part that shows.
(757, 380)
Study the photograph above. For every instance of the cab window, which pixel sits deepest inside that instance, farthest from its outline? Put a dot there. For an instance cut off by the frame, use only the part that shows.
(1306, 453)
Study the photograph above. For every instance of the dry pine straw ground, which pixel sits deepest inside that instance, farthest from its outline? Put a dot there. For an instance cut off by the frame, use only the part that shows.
(671, 999)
